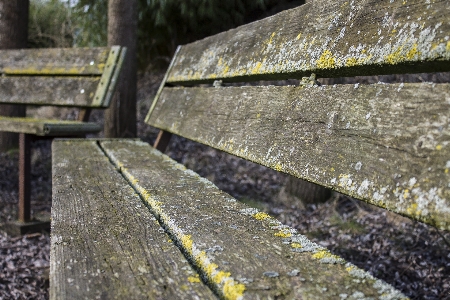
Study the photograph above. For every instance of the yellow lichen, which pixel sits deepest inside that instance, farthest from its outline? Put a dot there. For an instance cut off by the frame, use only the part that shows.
(394, 57)
(184, 287)
(399, 56)
(261, 216)
(439, 147)
(283, 234)
(225, 70)
(296, 245)
(413, 52)
(257, 67)
(220, 276)
(210, 268)
(448, 46)
(350, 268)
(233, 290)
(46, 70)
(325, 254)
(405, 193)
(352, 61)
(412, 210)
(326, 60)
(187, 242)
(194, 279)
(202, 259)
(278, 167)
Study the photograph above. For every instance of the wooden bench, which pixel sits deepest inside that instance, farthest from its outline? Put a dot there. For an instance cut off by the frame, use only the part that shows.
(127, 221)
(77, 78)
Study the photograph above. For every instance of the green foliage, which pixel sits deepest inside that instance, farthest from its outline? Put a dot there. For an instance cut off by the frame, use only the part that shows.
(164, 24)
(90, 17)
(49, 24)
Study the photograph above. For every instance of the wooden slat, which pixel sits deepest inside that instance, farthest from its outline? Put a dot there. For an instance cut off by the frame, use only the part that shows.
(45, 127)
(387, 144)
(105, 243)
(110, 75)
(240, 252)
(329, 38)
(54, 61)
(62, 91)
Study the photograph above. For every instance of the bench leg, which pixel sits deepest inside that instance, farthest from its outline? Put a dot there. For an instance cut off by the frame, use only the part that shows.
(24, 224)
(162, 141)
(24, 177)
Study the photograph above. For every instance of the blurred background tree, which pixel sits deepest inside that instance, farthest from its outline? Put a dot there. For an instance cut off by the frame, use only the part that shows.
(13, 35)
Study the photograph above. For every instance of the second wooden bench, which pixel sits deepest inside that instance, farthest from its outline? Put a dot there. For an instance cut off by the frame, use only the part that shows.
(76, 78)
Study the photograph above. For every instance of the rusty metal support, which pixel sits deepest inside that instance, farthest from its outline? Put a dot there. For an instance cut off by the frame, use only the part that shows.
(84, 114)
(162, 141)
(24, 177)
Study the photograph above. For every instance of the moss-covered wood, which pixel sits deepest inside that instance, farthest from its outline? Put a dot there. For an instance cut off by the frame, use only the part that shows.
(105, 243)
(240, 252)
(54, 61)
(55, 91)
(329, 38)
(46, 127)
(110, 76)
(387, 144)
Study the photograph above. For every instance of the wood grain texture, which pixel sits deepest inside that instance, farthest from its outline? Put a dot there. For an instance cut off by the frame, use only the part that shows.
(105, 243)
(54, 61)
(329, 38)
(240, 252)
(387, 144)
(57, 91)
(45, 127)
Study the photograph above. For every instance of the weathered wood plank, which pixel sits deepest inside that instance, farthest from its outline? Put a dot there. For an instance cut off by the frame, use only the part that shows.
(54, 61)
(239, 251)
(62, 91)
(387, 144)
(110, 76)
(105, 243)
(329, 38)
(46, 127)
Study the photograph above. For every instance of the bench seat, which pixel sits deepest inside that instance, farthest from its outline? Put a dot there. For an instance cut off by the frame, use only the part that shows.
(121, 213)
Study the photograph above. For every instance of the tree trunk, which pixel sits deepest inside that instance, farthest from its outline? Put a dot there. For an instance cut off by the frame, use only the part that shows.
(120, 118)
(299, 193)
(13, 34)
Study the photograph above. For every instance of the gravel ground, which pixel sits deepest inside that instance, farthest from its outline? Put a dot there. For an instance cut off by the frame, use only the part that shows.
(413, 257)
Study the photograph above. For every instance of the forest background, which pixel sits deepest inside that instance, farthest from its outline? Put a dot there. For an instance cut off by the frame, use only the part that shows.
(162, 24)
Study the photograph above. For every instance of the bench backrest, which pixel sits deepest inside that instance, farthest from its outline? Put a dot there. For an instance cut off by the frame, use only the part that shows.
(80, 77)
(386, 144)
